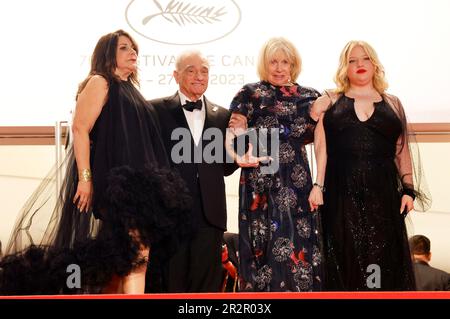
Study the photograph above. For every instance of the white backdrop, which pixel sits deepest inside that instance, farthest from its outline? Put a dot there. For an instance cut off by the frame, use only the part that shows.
(46, 44)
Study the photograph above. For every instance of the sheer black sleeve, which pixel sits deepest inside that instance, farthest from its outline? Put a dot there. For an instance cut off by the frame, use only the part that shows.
(410, 169)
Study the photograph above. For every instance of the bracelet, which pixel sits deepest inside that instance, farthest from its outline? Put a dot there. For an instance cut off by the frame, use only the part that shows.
(321, 187)
(85, 175)
(410, 192)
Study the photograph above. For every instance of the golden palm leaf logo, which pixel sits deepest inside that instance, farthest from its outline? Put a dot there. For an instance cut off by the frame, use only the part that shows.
(185, 22)
(183, 13)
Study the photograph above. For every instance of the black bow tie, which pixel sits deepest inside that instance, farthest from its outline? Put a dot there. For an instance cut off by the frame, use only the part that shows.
(190, 106)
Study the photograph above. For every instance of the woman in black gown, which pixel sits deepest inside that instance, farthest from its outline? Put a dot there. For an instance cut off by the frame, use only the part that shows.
(366, 173)
(116, 199)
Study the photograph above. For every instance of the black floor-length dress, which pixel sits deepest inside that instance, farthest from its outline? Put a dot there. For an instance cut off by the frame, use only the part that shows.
(133, 189)
(364, 233)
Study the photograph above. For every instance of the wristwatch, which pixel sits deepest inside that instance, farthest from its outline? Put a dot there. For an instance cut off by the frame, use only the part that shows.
(321, 187)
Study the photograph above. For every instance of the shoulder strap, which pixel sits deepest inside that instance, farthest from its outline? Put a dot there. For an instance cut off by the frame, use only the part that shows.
(332, 95)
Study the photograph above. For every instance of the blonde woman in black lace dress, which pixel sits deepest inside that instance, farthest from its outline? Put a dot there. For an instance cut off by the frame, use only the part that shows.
(365, 168)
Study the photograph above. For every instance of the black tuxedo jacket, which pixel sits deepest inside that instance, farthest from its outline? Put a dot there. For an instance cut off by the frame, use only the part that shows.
(210, 175)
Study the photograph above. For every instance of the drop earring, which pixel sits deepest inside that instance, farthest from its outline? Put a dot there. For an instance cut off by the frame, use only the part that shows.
(289, 83)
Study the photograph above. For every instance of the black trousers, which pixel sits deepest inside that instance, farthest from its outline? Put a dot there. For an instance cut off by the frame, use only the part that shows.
(197, 265)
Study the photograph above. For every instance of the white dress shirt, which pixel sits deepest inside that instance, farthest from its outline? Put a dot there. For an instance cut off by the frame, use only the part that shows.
(195, 119)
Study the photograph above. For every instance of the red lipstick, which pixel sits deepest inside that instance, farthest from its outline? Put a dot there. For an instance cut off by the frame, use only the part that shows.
(361, 71)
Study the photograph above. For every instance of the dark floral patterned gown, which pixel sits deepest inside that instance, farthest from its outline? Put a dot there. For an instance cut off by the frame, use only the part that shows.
(279, 246)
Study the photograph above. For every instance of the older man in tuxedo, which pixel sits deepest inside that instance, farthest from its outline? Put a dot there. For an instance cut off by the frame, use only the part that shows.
(189, 124)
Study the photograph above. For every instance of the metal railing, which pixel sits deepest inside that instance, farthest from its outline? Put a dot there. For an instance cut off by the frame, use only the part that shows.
(62, 138)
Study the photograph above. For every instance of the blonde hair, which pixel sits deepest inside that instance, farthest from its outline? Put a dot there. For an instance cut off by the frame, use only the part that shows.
(341, 79)
(269, 49)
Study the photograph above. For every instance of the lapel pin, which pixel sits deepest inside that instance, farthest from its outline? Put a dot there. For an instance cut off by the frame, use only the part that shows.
(215, 108)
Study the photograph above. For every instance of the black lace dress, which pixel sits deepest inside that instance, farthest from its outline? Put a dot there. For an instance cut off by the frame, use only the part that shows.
(364, 233)
(133, 189)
